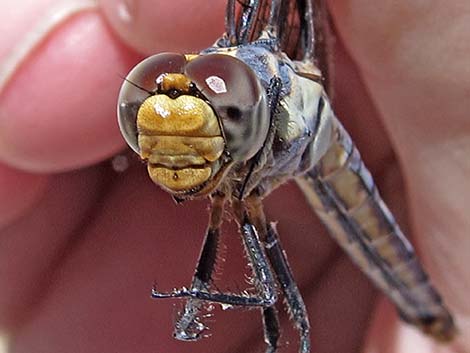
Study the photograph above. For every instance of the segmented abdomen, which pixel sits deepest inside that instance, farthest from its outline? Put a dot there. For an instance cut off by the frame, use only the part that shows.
(341, 191)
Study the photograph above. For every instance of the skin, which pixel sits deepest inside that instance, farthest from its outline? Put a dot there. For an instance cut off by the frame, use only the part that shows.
(81, 245)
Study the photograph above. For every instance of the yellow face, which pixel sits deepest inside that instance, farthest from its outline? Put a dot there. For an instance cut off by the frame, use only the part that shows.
(191, 118)
(180, 138)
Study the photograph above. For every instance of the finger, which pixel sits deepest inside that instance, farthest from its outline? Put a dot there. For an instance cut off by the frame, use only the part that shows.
(105, 279)
(340, 306)
(57, 111)
(413, 60)
(155, 26)
(19, 191)
(33, 246)
(388, 334)
(359, 115)
(103, 285)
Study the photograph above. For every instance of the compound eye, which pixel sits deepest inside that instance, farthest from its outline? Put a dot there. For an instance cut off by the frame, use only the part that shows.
(141, 83)
(237, 96)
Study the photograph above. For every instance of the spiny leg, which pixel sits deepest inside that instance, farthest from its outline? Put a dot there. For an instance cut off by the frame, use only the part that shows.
(251, 179)
(271, 328)
(270, 318)
(189, 327)
(263, 277)
(280, 265)
(289, 288)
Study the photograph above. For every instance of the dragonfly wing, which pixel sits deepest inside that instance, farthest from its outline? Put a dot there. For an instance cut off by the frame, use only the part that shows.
(324, 40)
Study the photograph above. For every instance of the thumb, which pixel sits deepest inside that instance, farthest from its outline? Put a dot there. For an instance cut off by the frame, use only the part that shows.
(413, 57)
(155, 26)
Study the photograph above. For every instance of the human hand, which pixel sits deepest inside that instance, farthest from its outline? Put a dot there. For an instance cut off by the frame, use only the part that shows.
(80, 250)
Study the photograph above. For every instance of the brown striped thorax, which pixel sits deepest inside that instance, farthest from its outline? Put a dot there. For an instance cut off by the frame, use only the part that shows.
(191, 117)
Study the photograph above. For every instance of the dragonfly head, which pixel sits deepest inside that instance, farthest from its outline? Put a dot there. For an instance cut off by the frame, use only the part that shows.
(192, 117)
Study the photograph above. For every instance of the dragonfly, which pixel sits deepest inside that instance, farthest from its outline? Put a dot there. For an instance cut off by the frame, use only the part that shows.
(242, 117)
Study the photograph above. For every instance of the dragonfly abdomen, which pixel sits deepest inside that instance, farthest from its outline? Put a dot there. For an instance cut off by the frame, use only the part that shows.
(342, 192)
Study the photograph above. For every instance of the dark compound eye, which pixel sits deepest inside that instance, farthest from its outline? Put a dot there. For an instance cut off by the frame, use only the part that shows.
(236, 94)
(234, 113)
(140, 83)
(231, 87)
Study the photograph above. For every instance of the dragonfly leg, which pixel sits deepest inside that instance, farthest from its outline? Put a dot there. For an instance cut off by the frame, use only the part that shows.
(259, 160)
(263, 277)
(289, 288)
(280, 265)
(189, 326)
(271, 328)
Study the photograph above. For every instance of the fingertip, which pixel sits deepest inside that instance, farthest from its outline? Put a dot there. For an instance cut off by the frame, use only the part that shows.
(58, 112)
(151, 27)
(19, 191)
